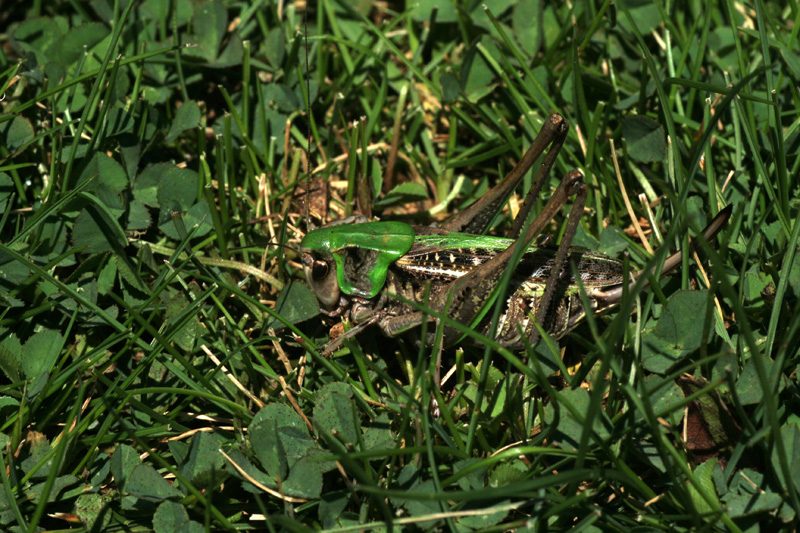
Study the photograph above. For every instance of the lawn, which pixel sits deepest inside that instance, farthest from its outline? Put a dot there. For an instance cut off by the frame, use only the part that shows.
(164, 366)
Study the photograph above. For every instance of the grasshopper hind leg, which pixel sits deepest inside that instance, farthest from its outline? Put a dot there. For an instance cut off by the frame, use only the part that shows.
(580, 191)
(466, 298)
(477, 217)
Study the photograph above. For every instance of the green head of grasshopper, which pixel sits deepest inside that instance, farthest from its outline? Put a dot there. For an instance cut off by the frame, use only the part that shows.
(352, 259)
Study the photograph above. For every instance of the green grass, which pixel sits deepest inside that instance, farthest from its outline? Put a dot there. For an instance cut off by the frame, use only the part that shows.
(141, 180)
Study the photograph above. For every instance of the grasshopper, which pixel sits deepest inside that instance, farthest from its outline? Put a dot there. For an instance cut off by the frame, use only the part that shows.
(354, 267)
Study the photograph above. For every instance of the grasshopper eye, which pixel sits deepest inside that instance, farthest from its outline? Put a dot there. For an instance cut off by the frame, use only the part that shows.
(321, 277)
(319, 270)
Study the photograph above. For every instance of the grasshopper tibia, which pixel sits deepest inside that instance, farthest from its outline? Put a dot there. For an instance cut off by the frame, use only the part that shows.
(611, 296)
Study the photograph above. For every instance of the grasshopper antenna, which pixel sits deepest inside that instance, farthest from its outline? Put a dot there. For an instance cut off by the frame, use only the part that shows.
(288, 247)
(308, 120)
(292, 248)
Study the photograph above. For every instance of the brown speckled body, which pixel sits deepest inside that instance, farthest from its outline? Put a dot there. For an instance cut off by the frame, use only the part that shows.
(430, 271)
